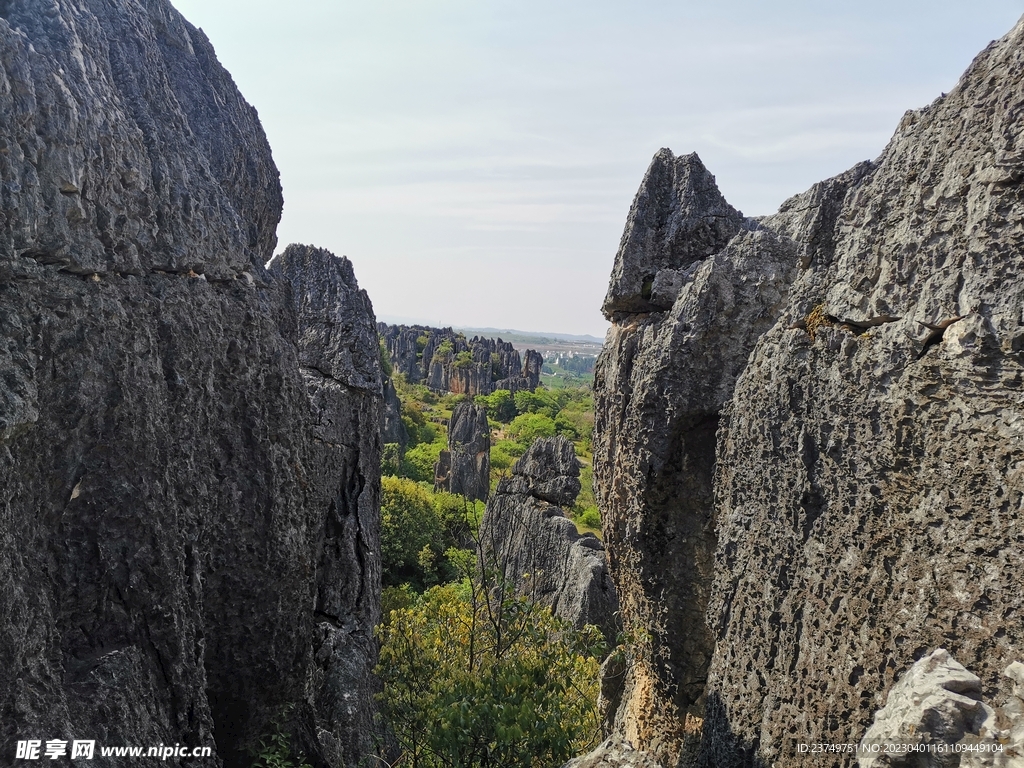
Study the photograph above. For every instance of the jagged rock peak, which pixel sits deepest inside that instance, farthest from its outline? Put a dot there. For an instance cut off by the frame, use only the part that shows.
(551, 471)
(446, 361)
(338, 332)
(678, 217)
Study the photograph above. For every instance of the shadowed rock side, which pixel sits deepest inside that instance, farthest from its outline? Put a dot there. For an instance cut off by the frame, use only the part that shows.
(660, 385)
(530, 540)
(860, 352)
(466, 466)
(163, 511)
(339, 357)
(392, 430)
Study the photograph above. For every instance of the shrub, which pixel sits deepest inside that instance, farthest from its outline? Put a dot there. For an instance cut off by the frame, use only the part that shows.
(463, 359)
(590, 517)
(419, 460)
(390, 459)
(499, 404)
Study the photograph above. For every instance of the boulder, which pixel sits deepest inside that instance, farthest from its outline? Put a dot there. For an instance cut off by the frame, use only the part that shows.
(934, 717)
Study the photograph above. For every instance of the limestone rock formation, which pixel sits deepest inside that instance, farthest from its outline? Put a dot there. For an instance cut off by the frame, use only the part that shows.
(466, 466)
(448, 362)
(340, 364)
(934, 716)
(810, 464)
(678, 218)
(525, 531)
(168, 520)
(392, 430)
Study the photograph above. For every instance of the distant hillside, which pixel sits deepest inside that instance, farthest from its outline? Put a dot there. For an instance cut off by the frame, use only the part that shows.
(527, 337)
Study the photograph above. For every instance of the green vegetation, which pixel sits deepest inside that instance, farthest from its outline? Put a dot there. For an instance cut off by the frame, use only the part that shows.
(476, 676)
(463, 359)
(421, 531)
(275, 749)
(563, 371)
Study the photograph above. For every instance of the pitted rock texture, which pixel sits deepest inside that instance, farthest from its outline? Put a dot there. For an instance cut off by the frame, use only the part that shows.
(935, 717)
(339, 356)
(165, 533)
(527, 536)
(820, 443)
(660, 385)
(117, 158)
(465, 467)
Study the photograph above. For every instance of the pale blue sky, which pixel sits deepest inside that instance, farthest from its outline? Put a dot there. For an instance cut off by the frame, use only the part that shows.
(476, 159)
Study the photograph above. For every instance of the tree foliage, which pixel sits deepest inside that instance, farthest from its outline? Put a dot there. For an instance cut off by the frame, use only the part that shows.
(477, 676)
(422, 531)
(527, 427)
(499, 404)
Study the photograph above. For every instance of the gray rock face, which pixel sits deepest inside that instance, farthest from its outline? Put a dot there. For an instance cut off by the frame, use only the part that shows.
(166, 520)
(824, 432)
(524, 531)
(466, 466)
(935, 712)
(660, 385)
(340, 364)
(678, 217)
(117, 158)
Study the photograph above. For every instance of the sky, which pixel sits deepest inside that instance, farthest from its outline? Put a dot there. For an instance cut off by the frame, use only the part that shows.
(476, 159)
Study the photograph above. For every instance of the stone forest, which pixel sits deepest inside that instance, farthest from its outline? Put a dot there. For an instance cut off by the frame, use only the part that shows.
(781, 523)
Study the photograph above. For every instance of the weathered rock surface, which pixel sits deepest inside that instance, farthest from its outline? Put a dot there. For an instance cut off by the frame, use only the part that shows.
(614, 752)
(525, 531)
(934, 716)
(660, 386)
(819, 445)
(168, 524)
(678, 218)
(447, 362)
(466, 466)
(340, 364)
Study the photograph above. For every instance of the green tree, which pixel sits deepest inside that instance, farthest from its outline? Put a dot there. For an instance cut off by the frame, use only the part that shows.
(408, 523)
(419, 460)
(476, 676)
(527, 427)
(499, 404)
